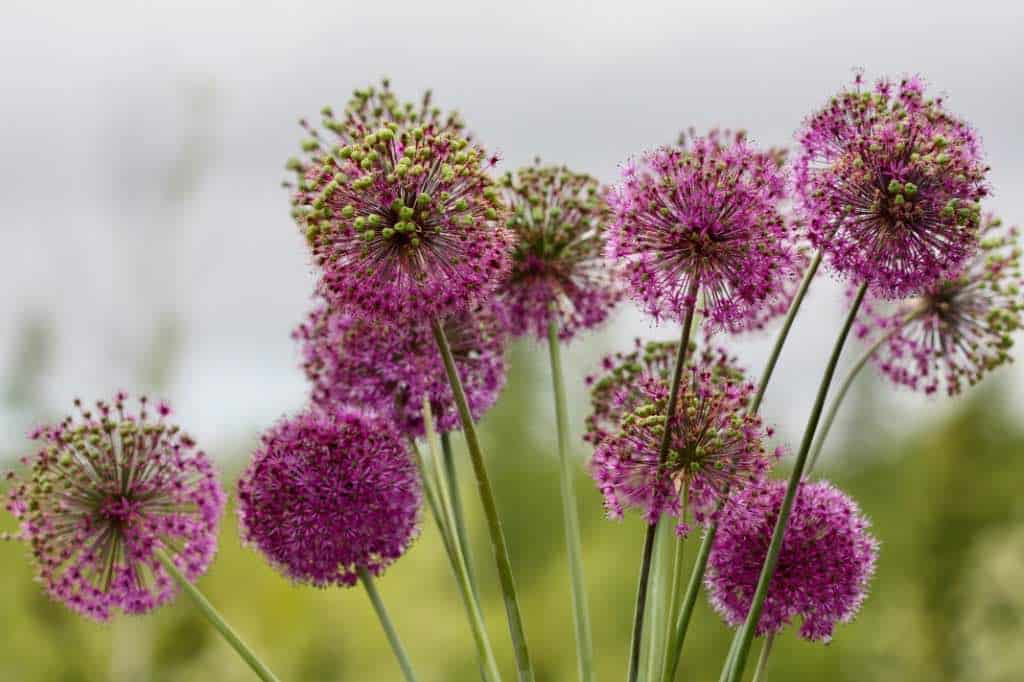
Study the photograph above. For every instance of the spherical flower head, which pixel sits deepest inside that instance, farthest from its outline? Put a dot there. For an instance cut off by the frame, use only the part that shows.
(714, 446)
(391, 368)
(792, 264)
(957, 330)
(559, 271)
(890, 182)
(107, 488)
(826, 562)
(705, 214)
(618, 387)
(406, 224)
(329, 493)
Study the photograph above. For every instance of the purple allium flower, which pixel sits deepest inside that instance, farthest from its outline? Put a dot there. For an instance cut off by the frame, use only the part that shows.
(704, 213)
(890, 183)
(390, 368)
(958, 329)
(827, 558)
(405, 223)
(714, 446)
(793, 263)
(329, 492)
(558, 217)
(107, 488)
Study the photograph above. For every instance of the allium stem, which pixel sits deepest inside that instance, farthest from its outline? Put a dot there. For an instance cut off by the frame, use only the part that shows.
(207, 609)
(745, 636)
(389, 627)
(452, 479)
(652, 529)
(498, 542)
(570, 514)
(762, 660)
(701, 563)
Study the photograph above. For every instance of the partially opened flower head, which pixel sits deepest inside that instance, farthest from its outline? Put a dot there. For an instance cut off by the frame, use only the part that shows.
(559, 270)
(108, 488)
(328, 493)
(391, 368)
(701, 221)
(405, 224)
(826, 562)
(958, 330)
(890, 183)
(715, 446)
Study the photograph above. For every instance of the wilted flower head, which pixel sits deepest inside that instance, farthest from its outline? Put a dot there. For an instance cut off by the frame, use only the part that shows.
(405, 223)
(957, 330)
(705, 214)
(328, 493)
(391, 368)
(827, 558)
(715, 445)
(107, 488)
(890, 183)
(558, 217)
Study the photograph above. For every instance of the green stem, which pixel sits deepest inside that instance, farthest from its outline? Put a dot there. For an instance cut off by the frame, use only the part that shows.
(745, 635)
(675, 606)
(452, 478)
(389, 628)
(659, 598)
(206, 608)
(701, 563)
(570, 515)
(652, 529)
(762, 660)
(498, 542)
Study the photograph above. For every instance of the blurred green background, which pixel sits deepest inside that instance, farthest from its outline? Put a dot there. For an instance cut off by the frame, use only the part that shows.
(947, 602)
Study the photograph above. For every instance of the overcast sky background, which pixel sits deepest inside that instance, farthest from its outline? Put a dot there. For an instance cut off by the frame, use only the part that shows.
(100, 99)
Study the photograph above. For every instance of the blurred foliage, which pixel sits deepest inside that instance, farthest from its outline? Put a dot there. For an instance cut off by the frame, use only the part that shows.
(946, 604)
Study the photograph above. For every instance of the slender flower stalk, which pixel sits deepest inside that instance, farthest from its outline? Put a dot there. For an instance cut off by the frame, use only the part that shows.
(570, 512)
(389, 628)
(501, 554)
(745, 635)
(682, 623)
(216, 620)
(452, 480)
(762, 660)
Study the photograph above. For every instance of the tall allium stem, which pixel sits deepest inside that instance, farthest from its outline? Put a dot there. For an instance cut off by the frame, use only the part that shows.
(762, 660)
(570, 514)
(389, 627)
(745, 635)
(701, 563)
(216, 620)
(452, 478)
(652, 529)
(498, 542)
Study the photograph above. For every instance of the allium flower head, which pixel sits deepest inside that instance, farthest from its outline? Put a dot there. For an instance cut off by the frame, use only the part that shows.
(793, 263)
(714, 446)
(959, 329)
(106, 489)
(706, 212)
(328, 493)
(406, 224)
(558, 217)
(890, 183)
(827, 558)
(391, 368)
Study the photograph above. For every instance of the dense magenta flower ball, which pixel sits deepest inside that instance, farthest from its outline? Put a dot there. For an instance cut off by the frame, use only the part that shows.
(889, 182)
(107, 488)
(715, 446)
(328, 493)
(405, 223)
(958, 330)
(826, 562)
(705, 214)
(793, 263)
(559, 271)
(391, 368)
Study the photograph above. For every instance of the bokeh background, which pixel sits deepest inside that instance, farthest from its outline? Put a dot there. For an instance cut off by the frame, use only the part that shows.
(145, 244)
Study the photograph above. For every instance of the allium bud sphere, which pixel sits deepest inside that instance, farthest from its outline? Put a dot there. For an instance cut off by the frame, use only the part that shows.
(826, 562)
(889, 182)
(107, 488)
(329, 493)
